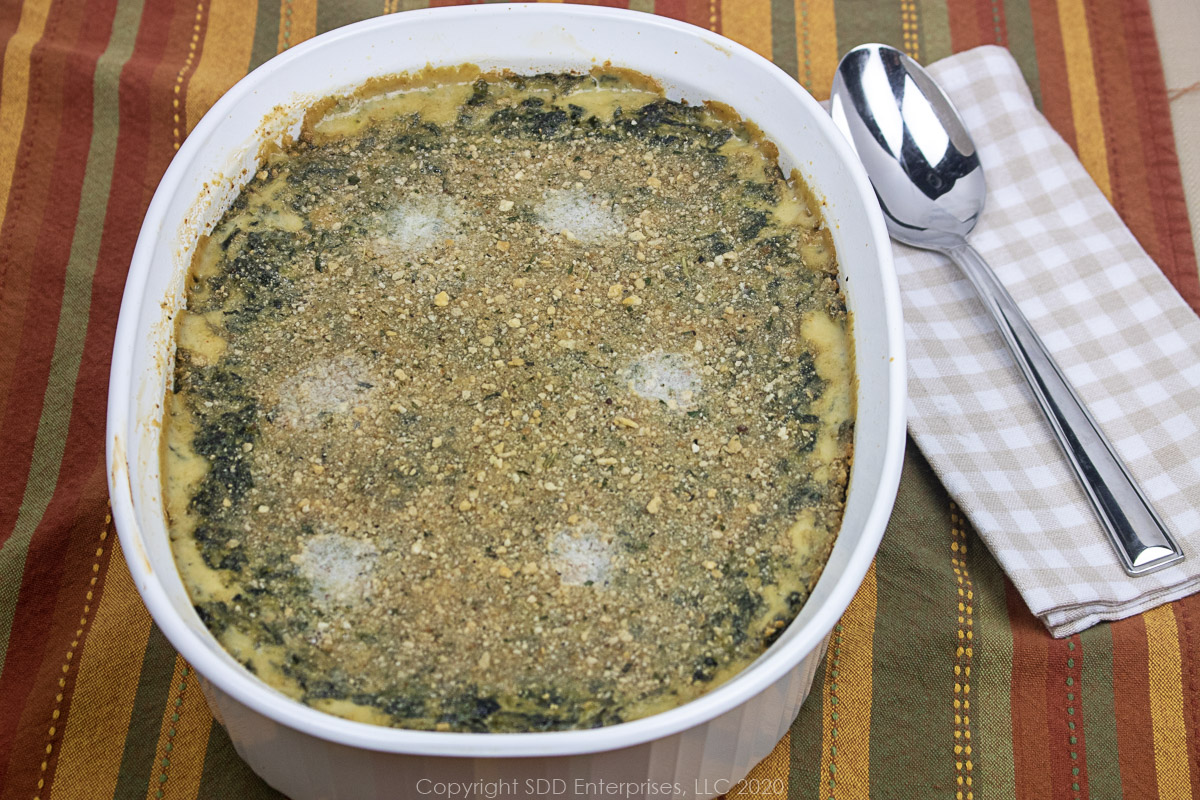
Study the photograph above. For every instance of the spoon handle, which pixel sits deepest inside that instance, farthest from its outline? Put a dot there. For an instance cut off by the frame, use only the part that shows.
(1141, 539)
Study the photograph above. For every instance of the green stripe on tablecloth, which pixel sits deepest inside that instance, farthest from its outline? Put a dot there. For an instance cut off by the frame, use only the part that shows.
(266, 32)
(860, 21)
(335, 15)
(991, 671)
(783, 36)
(1099, 713)
(154, 685)
(915, 641)
(1019, 22)
(934, 21)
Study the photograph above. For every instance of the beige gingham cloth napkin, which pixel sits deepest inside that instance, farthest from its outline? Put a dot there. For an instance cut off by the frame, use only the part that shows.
(1121, 333)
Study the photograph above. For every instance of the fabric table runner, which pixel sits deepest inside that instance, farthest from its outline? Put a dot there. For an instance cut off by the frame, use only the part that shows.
(938, 681)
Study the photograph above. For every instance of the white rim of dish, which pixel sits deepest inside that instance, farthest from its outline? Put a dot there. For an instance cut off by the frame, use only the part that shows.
(768, 669)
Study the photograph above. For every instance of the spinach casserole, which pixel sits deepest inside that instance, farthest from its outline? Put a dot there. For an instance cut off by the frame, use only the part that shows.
(509, 403)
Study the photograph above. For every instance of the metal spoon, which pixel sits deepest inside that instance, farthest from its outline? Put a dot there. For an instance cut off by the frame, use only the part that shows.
(930, 185)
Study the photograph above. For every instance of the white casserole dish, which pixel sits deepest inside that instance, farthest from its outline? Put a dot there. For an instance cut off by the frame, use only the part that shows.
(696, 750)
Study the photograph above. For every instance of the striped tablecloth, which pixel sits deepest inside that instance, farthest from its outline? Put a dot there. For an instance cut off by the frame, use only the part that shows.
(938, 681)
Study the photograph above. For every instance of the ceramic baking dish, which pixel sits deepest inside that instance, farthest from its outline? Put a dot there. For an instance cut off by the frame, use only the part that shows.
(696, 750)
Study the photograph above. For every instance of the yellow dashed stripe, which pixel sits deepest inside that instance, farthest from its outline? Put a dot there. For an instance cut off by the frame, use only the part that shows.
(908, 26)
(963, 656)
(176, 104)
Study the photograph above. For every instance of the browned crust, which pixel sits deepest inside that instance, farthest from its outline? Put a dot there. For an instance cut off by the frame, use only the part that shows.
(638, 80)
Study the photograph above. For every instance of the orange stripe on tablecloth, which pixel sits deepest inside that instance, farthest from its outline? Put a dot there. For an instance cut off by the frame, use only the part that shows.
(1052, 68)
(698, 12)
(748, 22)
(224, 57)
(769, 778)
(183, 739)
(816, 36)
(1030, 722)
(54, 110)
(45, 326)
(1166, 704)
(14, 90)
(846, 737)
(965, 29)
(61, 548)
(1131, 699)
(989, 25)
(297, 22)
(98, 720)
(1085, 97)
(1131, 194)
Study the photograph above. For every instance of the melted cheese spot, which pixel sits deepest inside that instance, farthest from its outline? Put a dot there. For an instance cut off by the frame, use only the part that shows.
(588, 218)
(416, 225)
(326, 387)
(582, 555)
(338, 567)
(672, 379)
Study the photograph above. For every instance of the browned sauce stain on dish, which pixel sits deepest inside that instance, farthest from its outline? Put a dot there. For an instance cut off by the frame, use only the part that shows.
(120, 477)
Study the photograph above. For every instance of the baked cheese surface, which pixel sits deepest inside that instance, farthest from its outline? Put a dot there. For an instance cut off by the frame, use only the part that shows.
(509, 403)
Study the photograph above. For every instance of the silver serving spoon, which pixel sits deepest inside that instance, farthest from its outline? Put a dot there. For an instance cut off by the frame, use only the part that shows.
(930, 185)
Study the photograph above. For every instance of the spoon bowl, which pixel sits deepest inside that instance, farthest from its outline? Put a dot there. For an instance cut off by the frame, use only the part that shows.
(913, 144)
(929, 181)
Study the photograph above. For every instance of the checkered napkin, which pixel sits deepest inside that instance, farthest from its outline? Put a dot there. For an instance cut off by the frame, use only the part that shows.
(1121, 333)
